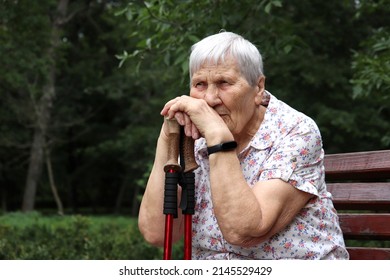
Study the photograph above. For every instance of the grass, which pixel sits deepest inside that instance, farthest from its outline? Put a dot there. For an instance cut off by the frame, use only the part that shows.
(37, 236)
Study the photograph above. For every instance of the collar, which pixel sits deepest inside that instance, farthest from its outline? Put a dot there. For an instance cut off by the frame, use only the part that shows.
(267, 132)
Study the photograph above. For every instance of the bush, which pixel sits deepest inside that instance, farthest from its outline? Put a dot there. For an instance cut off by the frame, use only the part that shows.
(36, 237)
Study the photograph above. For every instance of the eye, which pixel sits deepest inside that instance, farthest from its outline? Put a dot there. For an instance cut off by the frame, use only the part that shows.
(200, 85)
(223, 83)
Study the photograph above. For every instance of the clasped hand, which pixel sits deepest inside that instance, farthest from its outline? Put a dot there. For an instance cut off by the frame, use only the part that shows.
(197, 117)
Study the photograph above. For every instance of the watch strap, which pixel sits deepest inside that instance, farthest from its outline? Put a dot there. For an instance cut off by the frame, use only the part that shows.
(225, 146)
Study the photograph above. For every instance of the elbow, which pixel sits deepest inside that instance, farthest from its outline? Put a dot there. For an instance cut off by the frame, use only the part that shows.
(151, 236)
(240, 240)
(235, 239)
(245, 238)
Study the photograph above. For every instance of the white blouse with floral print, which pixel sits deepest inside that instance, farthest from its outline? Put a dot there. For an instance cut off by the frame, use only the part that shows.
(287, 146)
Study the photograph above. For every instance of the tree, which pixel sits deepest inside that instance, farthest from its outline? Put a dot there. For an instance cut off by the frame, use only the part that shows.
(43, 108)
(43, 90)
(307, 48)
(101, 128)
(371, 66)
(31, 86)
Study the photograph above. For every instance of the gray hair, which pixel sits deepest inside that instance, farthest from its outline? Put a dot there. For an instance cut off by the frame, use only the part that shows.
(216, 48)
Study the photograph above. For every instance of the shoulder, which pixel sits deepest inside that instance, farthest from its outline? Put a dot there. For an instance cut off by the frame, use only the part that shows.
(282, 122)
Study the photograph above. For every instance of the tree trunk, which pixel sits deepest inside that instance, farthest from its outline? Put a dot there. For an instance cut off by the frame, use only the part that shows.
(3, 186)
(135, 204)
(43, 111)
(70, 168)
(119, 198)
(52, 183)
(34, 170)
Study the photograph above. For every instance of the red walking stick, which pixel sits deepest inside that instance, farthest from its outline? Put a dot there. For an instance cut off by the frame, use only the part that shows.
(187, 183)
(179, 174)
(172, 170)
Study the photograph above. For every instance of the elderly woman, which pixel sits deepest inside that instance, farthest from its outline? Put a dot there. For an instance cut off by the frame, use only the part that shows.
(260, 190)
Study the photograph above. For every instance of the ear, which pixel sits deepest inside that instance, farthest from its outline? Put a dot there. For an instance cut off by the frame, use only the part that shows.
(260, 90)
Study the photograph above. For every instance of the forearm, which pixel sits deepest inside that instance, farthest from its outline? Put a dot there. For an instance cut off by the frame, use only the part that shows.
(151, 218)
(237, 209)
(249, 215)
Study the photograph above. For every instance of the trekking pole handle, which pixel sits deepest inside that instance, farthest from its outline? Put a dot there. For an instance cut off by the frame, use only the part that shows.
(173, 145)
(188, 154)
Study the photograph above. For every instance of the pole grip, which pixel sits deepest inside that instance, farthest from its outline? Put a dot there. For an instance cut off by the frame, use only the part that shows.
(173, 145)
(188, 154)
(187, 203)
(170, 193)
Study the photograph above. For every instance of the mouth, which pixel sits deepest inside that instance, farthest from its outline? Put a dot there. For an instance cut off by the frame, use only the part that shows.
(221, 112)
(223, 115)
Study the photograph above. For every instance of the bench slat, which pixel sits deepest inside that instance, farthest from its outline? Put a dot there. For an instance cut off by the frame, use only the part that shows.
(359, 165)
(361, 181)
(365, 226)
(362, 253)
(360, 196)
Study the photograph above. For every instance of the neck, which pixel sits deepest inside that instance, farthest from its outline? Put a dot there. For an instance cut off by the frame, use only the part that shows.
(251, 129)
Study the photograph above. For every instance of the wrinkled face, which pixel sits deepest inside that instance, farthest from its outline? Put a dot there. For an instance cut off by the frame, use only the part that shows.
(228, 92)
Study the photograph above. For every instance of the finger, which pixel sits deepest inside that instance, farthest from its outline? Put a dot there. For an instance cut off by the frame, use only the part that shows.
(179, 116)
(165, 109)
(168, 106)
(179, 104)
(173, 110)
(195, 132)
(187, 125)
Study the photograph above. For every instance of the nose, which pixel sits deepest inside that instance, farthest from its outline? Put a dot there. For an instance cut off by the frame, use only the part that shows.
(211, 96)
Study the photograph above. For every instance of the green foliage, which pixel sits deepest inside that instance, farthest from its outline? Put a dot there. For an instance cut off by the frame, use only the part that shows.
(371, 58)
(166, 30)
(307, 51)
(36, 237)
(103, 118)
(372, 67)
(329, 59)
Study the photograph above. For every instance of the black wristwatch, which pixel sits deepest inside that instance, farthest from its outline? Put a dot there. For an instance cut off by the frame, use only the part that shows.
(226, 146)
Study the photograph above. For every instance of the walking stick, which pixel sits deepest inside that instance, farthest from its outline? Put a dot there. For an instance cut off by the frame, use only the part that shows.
(187, 183)
(179, 174)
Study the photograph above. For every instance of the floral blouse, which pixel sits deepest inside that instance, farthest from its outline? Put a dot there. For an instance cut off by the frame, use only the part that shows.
(287, 146)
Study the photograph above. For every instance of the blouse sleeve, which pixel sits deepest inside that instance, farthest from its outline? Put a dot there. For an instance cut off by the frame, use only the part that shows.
(297, 158)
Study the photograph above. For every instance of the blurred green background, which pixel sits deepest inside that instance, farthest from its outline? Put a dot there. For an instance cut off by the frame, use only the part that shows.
(82, 84)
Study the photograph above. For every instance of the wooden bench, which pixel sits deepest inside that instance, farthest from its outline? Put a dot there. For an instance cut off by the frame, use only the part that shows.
(360, 185)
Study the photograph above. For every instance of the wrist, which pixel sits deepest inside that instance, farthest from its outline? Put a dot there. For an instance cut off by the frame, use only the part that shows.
(218, 136)
(222, 147)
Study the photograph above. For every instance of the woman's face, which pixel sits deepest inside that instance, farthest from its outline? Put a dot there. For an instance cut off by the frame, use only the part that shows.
(225, 90)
